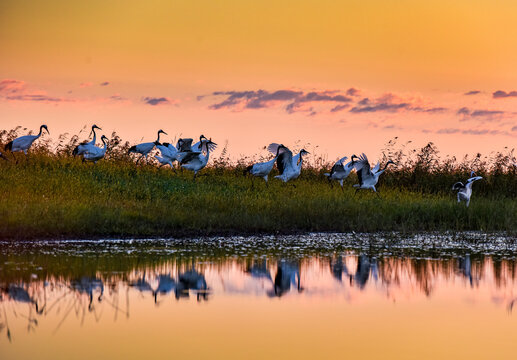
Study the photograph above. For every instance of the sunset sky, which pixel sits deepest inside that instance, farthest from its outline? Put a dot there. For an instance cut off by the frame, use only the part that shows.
(346, 76)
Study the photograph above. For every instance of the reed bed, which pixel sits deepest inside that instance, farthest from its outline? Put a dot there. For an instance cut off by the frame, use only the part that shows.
(53, 195)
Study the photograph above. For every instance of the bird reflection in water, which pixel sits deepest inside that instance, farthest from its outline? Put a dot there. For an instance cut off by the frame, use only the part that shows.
(18, 293)
(192, 280)
(465, 268)
(287, 274)
(166, 284)
(88, 285)
(258, 269)
(338, 268)
(142, 285)
(366, 265)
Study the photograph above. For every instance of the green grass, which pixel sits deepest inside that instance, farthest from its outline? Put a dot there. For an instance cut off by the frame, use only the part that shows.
(60, 197)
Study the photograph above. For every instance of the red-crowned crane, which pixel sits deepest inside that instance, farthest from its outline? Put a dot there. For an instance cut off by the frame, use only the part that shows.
(82, 147)
(368, 177)
(145, 148)
(23, 143)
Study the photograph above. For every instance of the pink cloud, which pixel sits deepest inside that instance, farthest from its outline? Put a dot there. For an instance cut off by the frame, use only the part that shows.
(11, 86)
(85, 84)
(18, 90)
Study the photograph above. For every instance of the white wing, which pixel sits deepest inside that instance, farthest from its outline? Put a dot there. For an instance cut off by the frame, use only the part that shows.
(164, 150)
(340, 161)
(274, 148)
(362, 163)
(472, 179)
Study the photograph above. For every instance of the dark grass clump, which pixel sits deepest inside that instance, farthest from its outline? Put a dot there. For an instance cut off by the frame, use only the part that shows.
(54, 195)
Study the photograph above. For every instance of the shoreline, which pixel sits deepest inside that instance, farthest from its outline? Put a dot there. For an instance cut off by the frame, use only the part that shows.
(423, 240)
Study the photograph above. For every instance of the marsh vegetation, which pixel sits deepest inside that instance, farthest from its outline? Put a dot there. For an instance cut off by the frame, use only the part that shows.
(52, 194)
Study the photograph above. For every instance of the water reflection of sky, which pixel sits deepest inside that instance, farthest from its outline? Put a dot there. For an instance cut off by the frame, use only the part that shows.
(48, 294)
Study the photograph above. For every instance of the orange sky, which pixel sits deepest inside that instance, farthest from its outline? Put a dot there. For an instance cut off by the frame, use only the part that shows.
(410, 64)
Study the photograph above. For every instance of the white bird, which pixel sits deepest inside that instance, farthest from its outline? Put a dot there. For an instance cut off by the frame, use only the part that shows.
(145, 148)
(465, 191)
(94, 153)
(184, 146)
(82, 147)
(168, 154)
(197, 160)
(197, 146)
(368, 178)
(264, 168)
(340, 171)
(23, 143)
(289, 166)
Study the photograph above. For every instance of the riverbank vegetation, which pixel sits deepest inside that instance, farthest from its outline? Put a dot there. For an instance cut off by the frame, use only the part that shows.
(54, 195)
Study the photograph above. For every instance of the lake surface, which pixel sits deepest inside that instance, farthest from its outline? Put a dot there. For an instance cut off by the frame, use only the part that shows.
(310, 296)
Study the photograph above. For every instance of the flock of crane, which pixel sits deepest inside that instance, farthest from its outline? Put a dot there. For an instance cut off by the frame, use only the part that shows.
(195, 157)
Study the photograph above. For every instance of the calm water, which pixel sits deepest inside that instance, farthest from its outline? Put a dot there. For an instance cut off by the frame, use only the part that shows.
(312, 296)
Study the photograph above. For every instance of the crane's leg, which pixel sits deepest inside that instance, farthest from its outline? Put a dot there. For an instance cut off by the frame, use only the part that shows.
(468, 202)
(265, 179)
(330, 182)
(458, 197)
(341, 183)
(140, 158)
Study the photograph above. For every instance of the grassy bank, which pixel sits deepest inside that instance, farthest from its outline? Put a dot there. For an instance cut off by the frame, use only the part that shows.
(50, 196)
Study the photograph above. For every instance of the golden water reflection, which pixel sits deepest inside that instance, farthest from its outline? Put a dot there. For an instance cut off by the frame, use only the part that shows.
(258, 307)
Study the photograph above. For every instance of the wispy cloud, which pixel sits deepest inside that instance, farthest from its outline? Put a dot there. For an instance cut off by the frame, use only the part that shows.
(18, 90)
(472, 92)
(293, 100)
(480, 114)
(353, 92)
(105, 83)
(317, 102)
(85, 84)
(448, 131)
(392, 103)
(36, 97)
(117, 97)
(471, 131)
(157, 101)
(8, 86)
(338, 108)
(500, 94)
